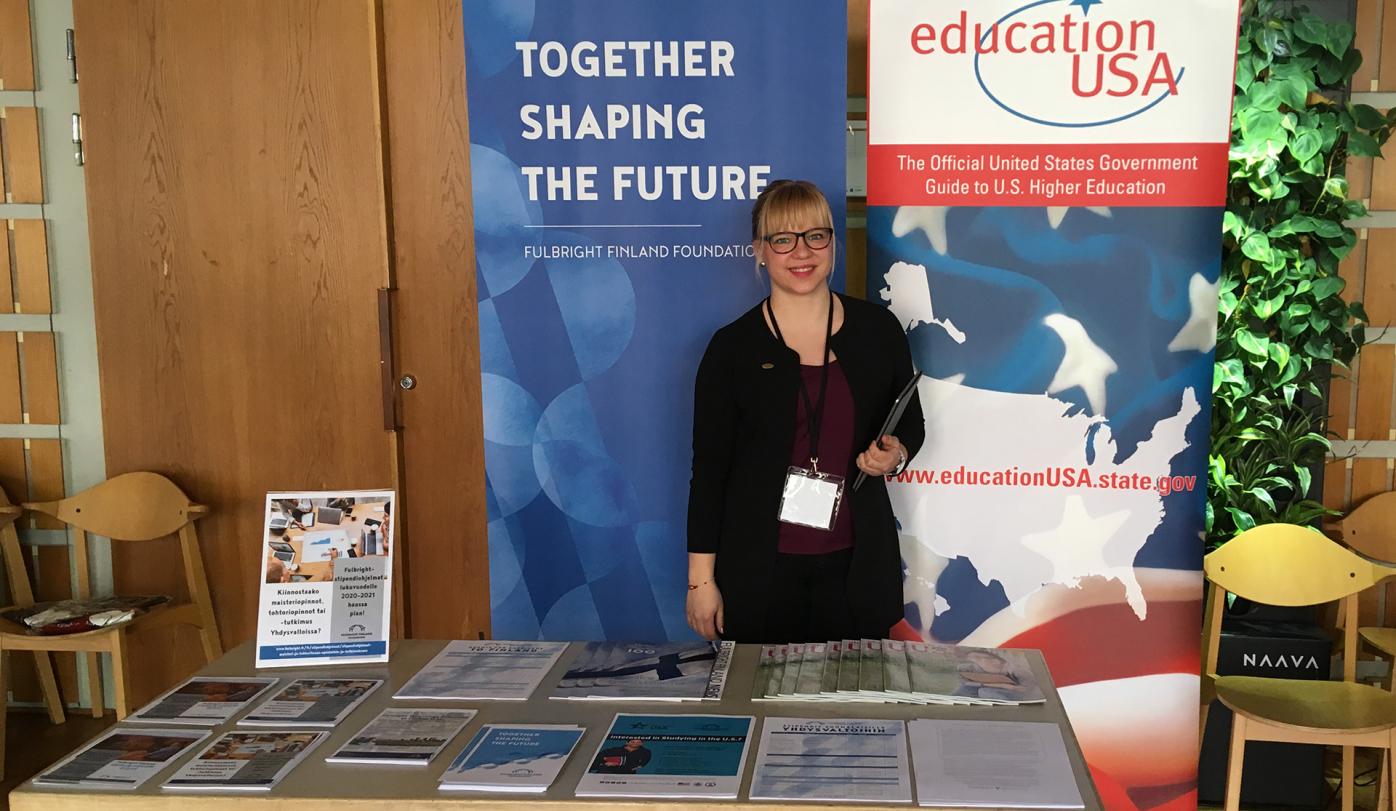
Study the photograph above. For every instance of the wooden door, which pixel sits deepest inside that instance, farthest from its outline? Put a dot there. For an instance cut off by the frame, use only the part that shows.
(239, 225)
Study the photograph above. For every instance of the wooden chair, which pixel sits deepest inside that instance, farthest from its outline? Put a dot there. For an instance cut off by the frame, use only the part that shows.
(22, 593)
(130, 507)
(1370, 530)
(1284, 564)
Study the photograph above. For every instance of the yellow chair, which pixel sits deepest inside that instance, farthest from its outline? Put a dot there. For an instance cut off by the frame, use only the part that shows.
(1284, 564)
(1370, 530)
(130, 507)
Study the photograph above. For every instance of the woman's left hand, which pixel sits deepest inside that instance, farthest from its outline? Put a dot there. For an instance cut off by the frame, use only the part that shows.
(881, 461)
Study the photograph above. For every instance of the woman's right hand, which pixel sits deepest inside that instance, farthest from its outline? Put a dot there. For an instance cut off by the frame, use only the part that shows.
(704, 609)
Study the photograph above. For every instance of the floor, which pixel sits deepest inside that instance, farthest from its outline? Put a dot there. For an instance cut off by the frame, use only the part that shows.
(31, 743)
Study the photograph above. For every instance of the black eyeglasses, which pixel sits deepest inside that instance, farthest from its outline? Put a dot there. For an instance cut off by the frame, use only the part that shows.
(816, 239)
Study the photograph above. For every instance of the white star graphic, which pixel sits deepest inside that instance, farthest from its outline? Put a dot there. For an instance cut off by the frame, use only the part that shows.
(930, 219)
(1200, 332)
(1055, 214)
(1083, 363)
(1076, 546)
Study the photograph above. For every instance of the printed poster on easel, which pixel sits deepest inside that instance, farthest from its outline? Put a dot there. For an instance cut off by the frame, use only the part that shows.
(327, 577)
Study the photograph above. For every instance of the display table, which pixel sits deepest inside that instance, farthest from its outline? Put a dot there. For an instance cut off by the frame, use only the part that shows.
(317, 785)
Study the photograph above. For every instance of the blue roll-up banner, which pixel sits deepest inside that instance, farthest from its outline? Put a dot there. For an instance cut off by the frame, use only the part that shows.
(616, 148)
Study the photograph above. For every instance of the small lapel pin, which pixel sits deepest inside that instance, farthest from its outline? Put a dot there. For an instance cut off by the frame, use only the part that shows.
(768, 366)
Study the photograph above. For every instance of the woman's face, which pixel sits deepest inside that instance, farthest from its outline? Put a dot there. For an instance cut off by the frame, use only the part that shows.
(803, 270)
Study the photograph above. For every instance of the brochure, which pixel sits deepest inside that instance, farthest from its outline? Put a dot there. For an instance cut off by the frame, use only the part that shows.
(896, 680)
(996, 676)
(811, 676)
(312, 703)
(670, 756)
(829, 685)
(769, 689)
(403, 737)
(992, 764)
(245, 761)
(483, 669)
(514, 758)
(890, 670)
(647, 671)
(124, 758)
(832, 760)
(849, 661)
(871, 669)
(326, 585)
(794, 656)
(204, 700)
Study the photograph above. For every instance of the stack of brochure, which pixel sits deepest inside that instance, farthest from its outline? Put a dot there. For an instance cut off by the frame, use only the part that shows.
(647, 671)
(319, 703)
(123, 758)
(669, 757)
(204, 700)
(245, 761)
(888, 670)
(523, 758)
(473, 670)
(992, 764)
(403, 737)
(831, 760)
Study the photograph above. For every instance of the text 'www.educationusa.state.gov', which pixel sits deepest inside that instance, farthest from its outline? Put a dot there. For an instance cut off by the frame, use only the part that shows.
(1069, 477)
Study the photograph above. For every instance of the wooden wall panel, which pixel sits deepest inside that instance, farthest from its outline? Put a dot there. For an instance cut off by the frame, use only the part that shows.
(1379, 277)
(24, 177)
(31, 278)
(1335, 484)
(1359, 175)
(437, 332)
(1340, 402)
(13, 477)
(7, 294)
(1383, 191)
(858, 48)
(1386, 68)
(237, 222)
(1374, 378)
(1367, 37)
(39, 359)
(45, 478)
(16, 46)
(11, 404)
(1369, 477)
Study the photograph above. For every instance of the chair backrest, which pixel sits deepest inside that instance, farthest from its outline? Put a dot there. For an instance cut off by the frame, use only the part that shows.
(130, 507)
(1370, 530)
(1289, 565)
(138, 506)
(16, 572)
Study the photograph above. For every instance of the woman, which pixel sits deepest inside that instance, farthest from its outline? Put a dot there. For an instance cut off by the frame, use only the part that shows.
(801, 382)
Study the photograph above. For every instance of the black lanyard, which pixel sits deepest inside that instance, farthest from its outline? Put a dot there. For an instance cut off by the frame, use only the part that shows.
(814, 413)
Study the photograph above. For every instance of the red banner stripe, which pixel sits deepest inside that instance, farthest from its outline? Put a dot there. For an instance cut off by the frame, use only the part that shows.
(1047, 175)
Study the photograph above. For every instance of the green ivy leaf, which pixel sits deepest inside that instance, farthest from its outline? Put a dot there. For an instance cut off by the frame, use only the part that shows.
(1363, 145)
(1305, 145)
(1257, 247)
(1367, 116)
(1279, 353)
(1327, 287)
(1339, 38)
(1257, 345)
(1311, 29)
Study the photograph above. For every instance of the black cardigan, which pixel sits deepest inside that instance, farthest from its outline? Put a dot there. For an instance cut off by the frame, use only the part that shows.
(743, 433)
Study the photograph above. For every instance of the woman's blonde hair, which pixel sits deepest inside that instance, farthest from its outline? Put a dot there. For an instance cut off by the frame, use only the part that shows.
(791, 201)
(788, 201)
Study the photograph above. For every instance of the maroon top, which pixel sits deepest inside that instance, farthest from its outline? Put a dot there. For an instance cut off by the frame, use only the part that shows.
(835, 456)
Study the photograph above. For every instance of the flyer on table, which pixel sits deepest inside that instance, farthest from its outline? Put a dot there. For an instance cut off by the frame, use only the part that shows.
(122, 759)
(326, 586)
(668, 756)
